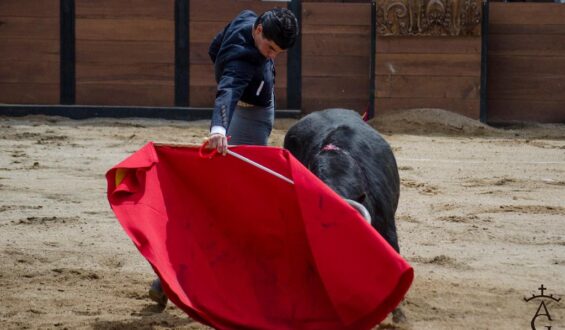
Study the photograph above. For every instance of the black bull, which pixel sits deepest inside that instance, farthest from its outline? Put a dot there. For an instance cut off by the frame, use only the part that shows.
(353, 159)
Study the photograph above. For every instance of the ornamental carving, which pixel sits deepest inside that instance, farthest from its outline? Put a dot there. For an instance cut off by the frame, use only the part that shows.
(429, 17)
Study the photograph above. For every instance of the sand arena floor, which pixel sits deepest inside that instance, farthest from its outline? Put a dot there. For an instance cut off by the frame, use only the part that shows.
(481, 218)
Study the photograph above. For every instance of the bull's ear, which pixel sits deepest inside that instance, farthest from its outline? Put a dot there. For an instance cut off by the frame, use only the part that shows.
(292, 144)
(361, 198)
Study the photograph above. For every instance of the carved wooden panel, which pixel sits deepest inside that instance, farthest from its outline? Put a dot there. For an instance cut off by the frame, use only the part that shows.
(429, 17)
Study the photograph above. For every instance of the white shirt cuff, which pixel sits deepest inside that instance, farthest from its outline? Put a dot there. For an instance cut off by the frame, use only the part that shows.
(218, 130)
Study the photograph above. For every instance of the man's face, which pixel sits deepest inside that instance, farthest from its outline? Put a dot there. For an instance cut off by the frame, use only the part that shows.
(267, 48)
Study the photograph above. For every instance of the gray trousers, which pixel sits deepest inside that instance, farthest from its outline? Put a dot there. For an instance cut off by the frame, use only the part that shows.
(251, 125)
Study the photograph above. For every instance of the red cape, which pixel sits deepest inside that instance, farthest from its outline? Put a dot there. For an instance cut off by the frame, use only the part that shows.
(237, 247)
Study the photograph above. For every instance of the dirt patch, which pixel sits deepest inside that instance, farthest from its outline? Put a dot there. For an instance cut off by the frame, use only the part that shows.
(528, 209)
(430, 121)
(480, 218)
(46, 220)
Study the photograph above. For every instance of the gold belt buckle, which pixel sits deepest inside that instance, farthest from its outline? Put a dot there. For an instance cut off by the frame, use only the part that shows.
(244, 105)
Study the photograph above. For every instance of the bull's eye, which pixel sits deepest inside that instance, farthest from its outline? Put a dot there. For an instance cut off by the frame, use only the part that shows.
(361, 198)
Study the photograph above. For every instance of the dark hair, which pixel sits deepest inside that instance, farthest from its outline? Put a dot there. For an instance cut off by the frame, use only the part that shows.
(279, 25)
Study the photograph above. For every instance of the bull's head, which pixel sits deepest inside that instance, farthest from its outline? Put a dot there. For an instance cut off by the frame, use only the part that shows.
(342, 173)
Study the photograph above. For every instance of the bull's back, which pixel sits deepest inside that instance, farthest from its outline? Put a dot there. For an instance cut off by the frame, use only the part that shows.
(347, 130)
(317, 129)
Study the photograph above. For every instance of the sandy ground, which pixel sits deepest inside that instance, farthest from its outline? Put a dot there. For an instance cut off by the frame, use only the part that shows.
(481, 218)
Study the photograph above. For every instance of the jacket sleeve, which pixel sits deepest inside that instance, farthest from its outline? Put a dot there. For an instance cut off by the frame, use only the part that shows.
(235, 77)
(215, 46)
(216, 43)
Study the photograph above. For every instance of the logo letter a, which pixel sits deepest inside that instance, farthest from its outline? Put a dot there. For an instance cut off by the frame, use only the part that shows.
(538, 314)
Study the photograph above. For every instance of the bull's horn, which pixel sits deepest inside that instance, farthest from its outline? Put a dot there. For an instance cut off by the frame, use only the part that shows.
(360, 208)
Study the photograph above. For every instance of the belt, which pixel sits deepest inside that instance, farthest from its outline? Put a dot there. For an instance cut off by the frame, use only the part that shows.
(244, 105)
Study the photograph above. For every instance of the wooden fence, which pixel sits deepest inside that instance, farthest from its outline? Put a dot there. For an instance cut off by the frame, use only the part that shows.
(29, 52)
(526, 72)
(125, 55)
(125, 52)
(335, 55)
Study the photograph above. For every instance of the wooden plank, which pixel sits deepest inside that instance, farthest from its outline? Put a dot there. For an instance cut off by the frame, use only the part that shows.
(337, 29)
(335, 45)
(19, 49)
(528, 88)
(335, 87)
(203, 74)
(458, 65)
(154, 94)
(428, 87)
(29, 72)
(29, 93)
(163, 9)
(208, 92)
(144, 73)
(125, 29)
(541, 111)
(336, 66)
(336, 14)
(311, 105)
(29, 28)
(502, 67)
(469, 107)
(204, 96)
(202, 71)
(527, 44)
(526, 13)
(225, 10)
(35, 8)
(340, 1)
(199, 53)
(204, 32)
(124, 52)
(527, 29)
(280, 97)
(281, 68)
(429, 45)
(326, 1)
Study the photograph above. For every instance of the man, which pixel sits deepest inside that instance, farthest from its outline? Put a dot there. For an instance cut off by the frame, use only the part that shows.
(243, 54)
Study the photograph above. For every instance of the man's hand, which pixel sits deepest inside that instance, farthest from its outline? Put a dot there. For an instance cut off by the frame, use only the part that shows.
(218, 141)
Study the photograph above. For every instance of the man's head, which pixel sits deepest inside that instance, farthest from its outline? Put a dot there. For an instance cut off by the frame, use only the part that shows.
(274, 31)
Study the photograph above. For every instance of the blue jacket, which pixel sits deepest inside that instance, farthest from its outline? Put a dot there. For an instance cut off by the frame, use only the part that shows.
(242, 73)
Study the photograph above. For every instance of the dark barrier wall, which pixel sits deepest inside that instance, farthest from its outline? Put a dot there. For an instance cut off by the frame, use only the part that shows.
(127, 53)
(29, 51)
(429, 72)
(335, 55)
(336, 39)
(526, 76)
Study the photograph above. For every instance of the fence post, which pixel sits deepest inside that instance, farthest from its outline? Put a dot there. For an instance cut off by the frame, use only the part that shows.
(67, 83)
(182, 54)
(294, 63)
(484, 62)
(373, 55)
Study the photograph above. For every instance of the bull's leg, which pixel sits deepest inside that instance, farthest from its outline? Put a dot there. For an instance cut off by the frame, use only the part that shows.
(398, 316)
(157, 294)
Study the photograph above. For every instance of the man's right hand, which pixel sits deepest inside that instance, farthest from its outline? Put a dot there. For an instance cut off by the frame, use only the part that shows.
(218, 141)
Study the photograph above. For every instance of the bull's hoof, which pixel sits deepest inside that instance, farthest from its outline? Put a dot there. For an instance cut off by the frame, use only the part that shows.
(156, 293)
(398, 316)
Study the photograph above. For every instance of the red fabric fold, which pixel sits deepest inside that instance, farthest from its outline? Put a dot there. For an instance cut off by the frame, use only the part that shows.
(237, 247)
